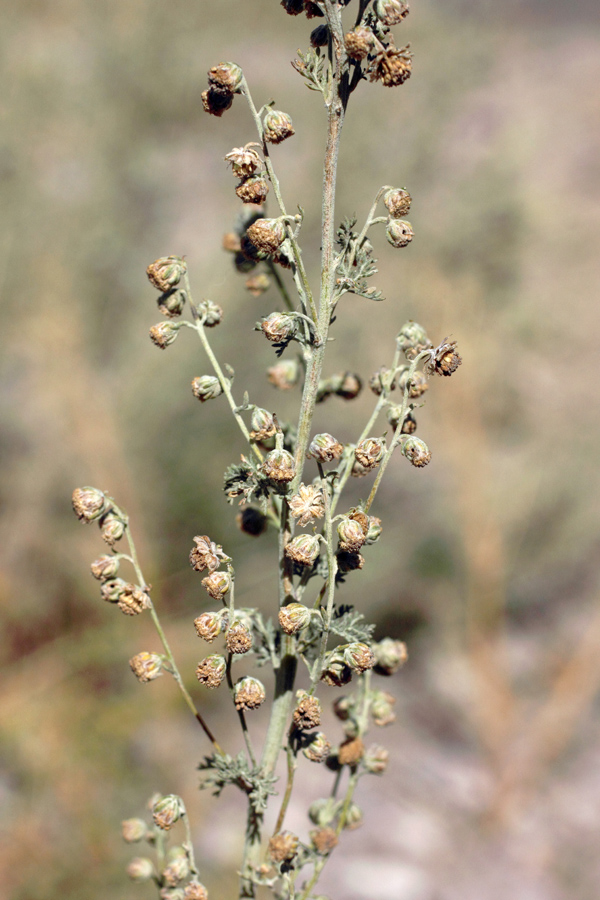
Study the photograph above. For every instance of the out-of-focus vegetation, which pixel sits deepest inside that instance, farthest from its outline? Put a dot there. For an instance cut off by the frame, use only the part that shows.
(488, 565)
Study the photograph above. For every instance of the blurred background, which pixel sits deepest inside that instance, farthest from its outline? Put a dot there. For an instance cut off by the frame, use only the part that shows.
(489, 562)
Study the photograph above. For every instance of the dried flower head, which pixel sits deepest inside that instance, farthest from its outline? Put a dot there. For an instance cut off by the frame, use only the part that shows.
(206, 387)
(349, 387)
(417, 451)
(303, 549)
(444, 360)
(279, 466)
(208, 626)
(382, 708)
(164, 334)
(391, 66)
(211, 671)
(359, 43)
(252, 189)
(351, 533)
(112, 589)
(319, 36)
(318, 749)
(412, 339)
(112, 527)
(376, 759)
(195, 891)
(399, 232)
(210, 313)
(390, 12)
(308, 504)
(244, 160)
(351, 752)
(418, 383)
(409, 423)
(336, 674)
(206, 554)
(397, 202)
(266, 235)
(390, 655)
(307, 713)
(382, 380)
(88, 504)
(168, 810)
(349, 561)
(370, 452)
(294, 617)
(324, 840)
(278, 327)
(172, 302)
(283, 846)
(262, 424)
(226, 75)
(354, 817)
(133, 600)
(277, 126)
(358, 656)
(217, 100)
(146, 666)
(325, 448)
(217, 584)
(238, 637)
(248, 693)
(293, 7)
(178, 867)
(166, 272)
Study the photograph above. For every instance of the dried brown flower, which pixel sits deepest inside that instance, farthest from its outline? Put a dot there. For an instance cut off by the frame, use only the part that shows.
(283, 846)
(307, 713)
(308, 504)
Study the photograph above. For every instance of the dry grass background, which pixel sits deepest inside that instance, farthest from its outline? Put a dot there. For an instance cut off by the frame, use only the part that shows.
(488, 566)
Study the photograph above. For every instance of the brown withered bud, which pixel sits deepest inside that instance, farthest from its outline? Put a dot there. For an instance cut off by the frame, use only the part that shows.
(166, 272)
(248, 693)
(168, 810)
(211, 313)
(217, 584)
(312, 10)
(252, 521)
(133, 600)
(208, 626)
(358, 656)
(172, 302)
(376, 759)
(382, 708)
(319, 36)
(112, 528)
(359, 43)
(283, 846)
(416, 451)
(206, 387)
(195, 891)
(231, 242)
(284, 375)
(391, 66)
(262, 424)
(325, 448)
(133, 830)
(88, 504)
(252, 189)
(164, 334)
(370, 452)
(319, 748)
(266, 235)
(444, 359)
(336, 674)
(409, 424)
(351, 752)
(350, 386)
(244, 161)
(397, 202)
(293, 7)
(257, 284)
(349, 561)
(206, 554)
(294, 617)
(381, 381)
(277, 126)
(357, 515)
(146, 666)
(390, 655)
(216, 100)
(390, 12)
(324, 840)
(303, 549)
(211, 671)
(418, 384)
(238, 638)
(399, 232)
(307, 713)
(308, 504)
(279, 466)
(226, 75)
(351, 534)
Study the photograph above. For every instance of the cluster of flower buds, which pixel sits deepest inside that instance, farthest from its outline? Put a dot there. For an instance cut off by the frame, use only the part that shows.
(224, 80)
(367, 42)
(398, 231)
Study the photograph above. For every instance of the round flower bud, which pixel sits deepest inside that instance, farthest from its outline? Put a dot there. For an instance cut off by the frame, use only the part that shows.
(417, 451)
(166, 272)
(277, 126)
(178, 867)
(210, 312)
(238, 638)
(231, 242)
(88, 503)
(303, 549)
(112, 589)
(278, 327)
(409, 424)
(382, 381)
(211, 671)
(134, 830)
(105, 567)
(351, 752)
(322, 812)
(195, 891)
(285, 374)
(262, 424)
(390, 655)
(140, 869)
(133, 601)
(412, 339)
(279, 467)
(336, 674)
(208, 626)
(351, 534)
(252, 189)
(390, 12)
(324, 840)
(349, 561)
(319, 748)
(359, 43)
(374, 530)
(307, 505)
(244, 161)
(358, 656)
(283, 846)
(325, 448)
(206, 387)
(376, 759)
(248, 693)
(167, 811)
(399, 232)
(226, 75)
(343, 708)
(370, 452)
(266, 235)
(172, 302)
(354, 817)
(294, 617)
(319, 36)
(252, 521)
(418, 383)
(257, 284)
(307, 713)
(348, 386)
(146, 666)
(112, 528)
(164, 333)
(391, 66)
(206, 554)
(397, 202)
(217, 584)
(382, 708)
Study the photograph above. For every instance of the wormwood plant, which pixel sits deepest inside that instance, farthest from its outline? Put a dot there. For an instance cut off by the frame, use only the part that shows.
(288, 481)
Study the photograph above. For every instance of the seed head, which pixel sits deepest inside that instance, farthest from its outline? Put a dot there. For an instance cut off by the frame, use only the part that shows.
(397, 202)
(112, 528)
(279, 466)
(418, 383)
(244, 161)
(319, 748)
(324, 840)
(206, 387)
(211, 671)
(217, 100)
(167, 811)
(370, 452)
(238, 638)
(325, 448)
(208, 626)
(206, 554)
(164, 334)
(266, 235)
(376, 759)
(248, 693)
(285, 375)
(252, 189)
(134, 830)
(351, 752)
(392, 67)
(262, 424)
(252, 521)
(283, 846)
(88, 504)
(359, 43)
(307, 505)
(164, 273)
(171, 303)
(195, 891)
(390, 655)
(382, 708)
(303, 549)
(390, 12)
(133, 600)
(140, 869)
(225, 75)
(399, 232)
(294, 617)
(217, 584)
(277, 126)
(307, 713)
(146, 666)
(444, 359)
(417, 451)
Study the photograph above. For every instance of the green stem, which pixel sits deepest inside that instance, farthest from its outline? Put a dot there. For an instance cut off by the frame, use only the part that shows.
(240, 712)
(291, 771)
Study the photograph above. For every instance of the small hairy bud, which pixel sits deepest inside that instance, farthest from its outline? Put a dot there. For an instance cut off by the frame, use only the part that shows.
(195, 891)
(359, 43)
(336, 674)
(238, 638)
(140, 869)
(351, 752)
(418, 383)
(319, 748)
(244, 161)
(397, 202)
(112, 589)
(390, 12)
(283, 846)
(211, 313)
(349, 386)
(172, 302)
(248, 693)
(354, 817)
(382, 708)
(376, 759)
(322, 812)
(399, 232)
(307, 713)
(112, 528)
(307, 505)
(391, 66)
(417, 451)
(359, 656)
(252, 521)
(278, 327)
(374, 530)
(166, 272)
(134, 830)
(257, 284)
(216, 100)
(252, 189)
(349, 561)
(284, 375)
(146, 666)
(351, 534)
(206, 554)
(133, 600)
(294, 617)
(279, 466)
(370, 452)
(277, 126)
(444, 359)
(105, 567)
(381, 381)
(266, 235)
(208, 626)
(164, 334)
(206, 387)
(217, 584)
(211, 671)
(167, 811)
(303, 549)
(88, 504)
(324, 840)
(226, 75)
(319, 36)
(325, 448)
(390, 655)
(262, 424)
(178, 867)
(412, 339)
